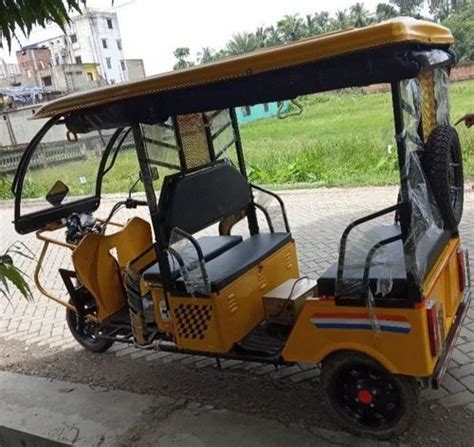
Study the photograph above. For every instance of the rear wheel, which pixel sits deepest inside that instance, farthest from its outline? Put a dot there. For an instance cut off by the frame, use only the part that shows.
(86, 333)
(442, 163)
(368, 399)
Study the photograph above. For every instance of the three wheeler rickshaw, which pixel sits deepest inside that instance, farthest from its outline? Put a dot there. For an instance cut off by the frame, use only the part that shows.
(213, 271)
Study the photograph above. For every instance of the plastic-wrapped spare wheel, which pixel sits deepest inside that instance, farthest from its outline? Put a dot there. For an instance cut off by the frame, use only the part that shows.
(442, 163)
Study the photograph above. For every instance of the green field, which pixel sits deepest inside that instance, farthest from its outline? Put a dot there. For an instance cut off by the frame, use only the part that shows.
(340, 139)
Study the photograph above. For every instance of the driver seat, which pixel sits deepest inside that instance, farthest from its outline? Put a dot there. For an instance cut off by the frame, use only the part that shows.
(99, 261)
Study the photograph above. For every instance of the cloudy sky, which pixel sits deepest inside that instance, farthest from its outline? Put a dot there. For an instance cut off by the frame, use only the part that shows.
(152, 29)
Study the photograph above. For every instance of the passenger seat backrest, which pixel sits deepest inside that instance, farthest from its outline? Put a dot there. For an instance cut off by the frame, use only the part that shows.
(194, 201)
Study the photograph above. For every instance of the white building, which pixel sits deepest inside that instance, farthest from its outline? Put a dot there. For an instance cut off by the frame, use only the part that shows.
(92, 38)
(8, 70)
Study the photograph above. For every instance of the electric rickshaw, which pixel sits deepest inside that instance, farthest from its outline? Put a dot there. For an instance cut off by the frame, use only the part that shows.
(213, 271)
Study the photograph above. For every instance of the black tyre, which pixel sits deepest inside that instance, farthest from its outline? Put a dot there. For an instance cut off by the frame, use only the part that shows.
(366, 398)
(442, 163)
(86, 333)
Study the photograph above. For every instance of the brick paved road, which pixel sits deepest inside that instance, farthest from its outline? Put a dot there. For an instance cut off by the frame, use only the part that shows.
(317, 218)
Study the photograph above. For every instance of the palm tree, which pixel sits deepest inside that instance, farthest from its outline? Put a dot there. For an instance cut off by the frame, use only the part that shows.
(322, 21)
(206, 55)
(23, 15)
(241, 43)
(341, 20)
(261, 37)
(359, 16)
(272, 37)
(291, 28)
(310, 27)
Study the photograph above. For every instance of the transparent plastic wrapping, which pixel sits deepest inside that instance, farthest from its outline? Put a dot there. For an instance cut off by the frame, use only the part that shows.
(396, 259)
(185, 257)
(161, 145)
(271, 213)
(386, 261)
(441, 80)
(426, 223)
(222, 132)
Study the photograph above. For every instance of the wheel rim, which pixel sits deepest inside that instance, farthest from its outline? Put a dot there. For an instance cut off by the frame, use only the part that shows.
(455, 178)
(367, 396)
(86, 329)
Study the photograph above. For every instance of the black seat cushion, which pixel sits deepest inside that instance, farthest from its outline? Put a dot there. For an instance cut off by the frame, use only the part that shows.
(234, 262)
(391, 267)
(211, 246)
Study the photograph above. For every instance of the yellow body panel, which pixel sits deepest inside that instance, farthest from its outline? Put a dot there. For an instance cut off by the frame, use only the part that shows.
(395, 31)
(215, 323)
(101, 272)
(400, 353)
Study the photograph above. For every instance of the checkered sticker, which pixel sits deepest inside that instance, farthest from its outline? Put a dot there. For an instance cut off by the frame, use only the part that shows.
(193, 320)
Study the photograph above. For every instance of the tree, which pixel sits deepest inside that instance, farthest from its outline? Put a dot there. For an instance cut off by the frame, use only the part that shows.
(242, 43)
(206, 55)
(291, 28)
(182, 54)
(272, 37)
(384, 11)
(441, 9)
(23, 15)
(341, 20)
(359, 16)
(408, 7)
(461, 24)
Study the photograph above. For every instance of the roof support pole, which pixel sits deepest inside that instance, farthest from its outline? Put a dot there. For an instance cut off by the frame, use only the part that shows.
(409, 246)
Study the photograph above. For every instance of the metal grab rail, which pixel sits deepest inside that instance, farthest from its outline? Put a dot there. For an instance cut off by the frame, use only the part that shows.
(280, 202)
(345, 235)
(200, 254)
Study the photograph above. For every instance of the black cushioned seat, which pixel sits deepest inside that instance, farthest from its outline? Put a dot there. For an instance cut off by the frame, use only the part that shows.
(211, 246)
(428, 249)
(227, 267)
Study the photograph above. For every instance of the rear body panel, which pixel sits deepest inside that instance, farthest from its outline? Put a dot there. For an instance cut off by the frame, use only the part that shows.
(402, 345)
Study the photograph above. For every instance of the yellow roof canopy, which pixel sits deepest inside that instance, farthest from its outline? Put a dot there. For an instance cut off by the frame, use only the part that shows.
(327, 46)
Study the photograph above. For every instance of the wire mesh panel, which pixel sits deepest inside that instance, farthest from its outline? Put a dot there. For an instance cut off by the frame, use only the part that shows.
(194, 144)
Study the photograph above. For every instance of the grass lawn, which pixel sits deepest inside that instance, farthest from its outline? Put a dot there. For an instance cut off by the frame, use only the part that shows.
(340, 139)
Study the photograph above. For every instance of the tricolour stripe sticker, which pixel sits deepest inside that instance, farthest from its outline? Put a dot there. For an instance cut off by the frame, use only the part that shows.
(361, 321)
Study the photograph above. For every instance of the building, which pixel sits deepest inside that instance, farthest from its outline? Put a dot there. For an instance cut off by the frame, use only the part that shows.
(93, 38)
(246, 114)
(31, 60)
(9, 71)
(135, 69)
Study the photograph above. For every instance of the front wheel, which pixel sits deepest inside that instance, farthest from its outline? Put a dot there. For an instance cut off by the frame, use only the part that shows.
(86, 333)
(368, 399)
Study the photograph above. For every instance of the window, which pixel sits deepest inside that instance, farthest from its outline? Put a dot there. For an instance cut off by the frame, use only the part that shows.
(110, 25)
(108, 62)
(265, 106)
(119, 44)
(122, 65)
(112, 81)
(56, 60)
(104, 43)
(73, 38)
(246, 110)
(78, 60)
(47, 81)
(90, 76)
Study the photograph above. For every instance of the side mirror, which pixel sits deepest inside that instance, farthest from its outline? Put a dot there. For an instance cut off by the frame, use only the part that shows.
(57, 193)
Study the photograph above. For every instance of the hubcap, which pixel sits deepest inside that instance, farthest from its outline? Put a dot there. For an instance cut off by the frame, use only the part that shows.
(367, 396)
